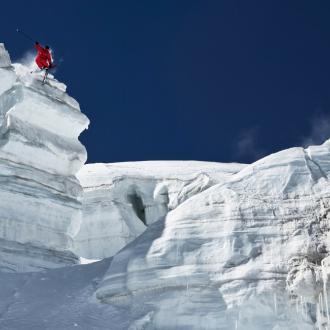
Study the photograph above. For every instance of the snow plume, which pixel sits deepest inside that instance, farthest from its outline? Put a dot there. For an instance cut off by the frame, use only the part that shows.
(320, 130)
(246, 148)
(28, 60)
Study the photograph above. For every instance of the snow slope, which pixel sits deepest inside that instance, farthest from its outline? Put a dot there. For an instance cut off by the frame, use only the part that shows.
(56, 299)
(40, 154)
(120, 200)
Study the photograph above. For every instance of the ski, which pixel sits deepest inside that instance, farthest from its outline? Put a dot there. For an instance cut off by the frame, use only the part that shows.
(37, 71)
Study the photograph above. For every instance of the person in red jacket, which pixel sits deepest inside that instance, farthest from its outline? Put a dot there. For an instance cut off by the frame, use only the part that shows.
(44, 58)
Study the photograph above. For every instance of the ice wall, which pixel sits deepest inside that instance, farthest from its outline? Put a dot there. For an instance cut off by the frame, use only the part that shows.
(40, 154)
(121, 200)
(249, 253)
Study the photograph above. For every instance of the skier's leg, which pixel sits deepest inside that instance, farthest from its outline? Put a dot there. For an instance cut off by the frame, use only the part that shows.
(45, 76)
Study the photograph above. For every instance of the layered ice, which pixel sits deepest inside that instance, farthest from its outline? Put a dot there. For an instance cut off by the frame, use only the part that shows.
(121, 200)
(40, 154)
(247, 253)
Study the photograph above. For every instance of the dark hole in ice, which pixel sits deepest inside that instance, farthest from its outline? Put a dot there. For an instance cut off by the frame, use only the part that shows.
(138, 206)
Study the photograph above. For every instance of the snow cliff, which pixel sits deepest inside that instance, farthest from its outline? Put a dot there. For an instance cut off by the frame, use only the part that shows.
(248, 253)
(40, 154)
(121, 200)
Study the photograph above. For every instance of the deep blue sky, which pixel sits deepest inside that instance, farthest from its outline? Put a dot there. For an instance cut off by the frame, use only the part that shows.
(205, 80)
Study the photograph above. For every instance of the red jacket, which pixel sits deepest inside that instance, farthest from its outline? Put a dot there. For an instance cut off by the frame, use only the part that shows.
(43, 56)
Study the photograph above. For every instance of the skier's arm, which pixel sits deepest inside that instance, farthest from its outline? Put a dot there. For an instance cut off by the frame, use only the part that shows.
(37, 46)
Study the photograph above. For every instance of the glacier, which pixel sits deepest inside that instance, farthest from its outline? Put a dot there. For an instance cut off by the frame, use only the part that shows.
(121, 200)
(184, 244)
(40, 207)
(249, 253)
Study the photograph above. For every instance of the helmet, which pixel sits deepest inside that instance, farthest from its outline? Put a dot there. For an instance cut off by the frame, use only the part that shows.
(47, 47)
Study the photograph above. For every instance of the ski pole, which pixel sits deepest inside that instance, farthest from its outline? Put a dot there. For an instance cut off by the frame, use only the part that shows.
(24, 34)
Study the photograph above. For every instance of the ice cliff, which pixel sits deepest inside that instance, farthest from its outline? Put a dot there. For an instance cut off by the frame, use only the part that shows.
(192, 245)
(248, 253)
(39, 157)
(121, 200)
(49, 218)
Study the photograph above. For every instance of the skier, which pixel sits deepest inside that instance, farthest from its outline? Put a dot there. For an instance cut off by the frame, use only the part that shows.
(44, 58)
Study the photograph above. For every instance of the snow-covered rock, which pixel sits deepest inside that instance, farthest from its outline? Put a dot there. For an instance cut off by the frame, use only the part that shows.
(248, 253)
(120, 200)
(40, 154)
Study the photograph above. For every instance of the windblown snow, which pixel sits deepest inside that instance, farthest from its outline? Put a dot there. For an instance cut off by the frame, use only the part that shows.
(185, 245)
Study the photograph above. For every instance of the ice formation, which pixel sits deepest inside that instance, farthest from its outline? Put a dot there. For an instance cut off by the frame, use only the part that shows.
(195, 245)
(121, 200)
(40, 154)
(248, 253)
